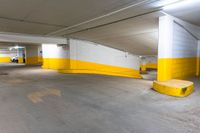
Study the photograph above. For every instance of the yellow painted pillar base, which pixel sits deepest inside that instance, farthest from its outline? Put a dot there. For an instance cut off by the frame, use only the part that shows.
(177, 88)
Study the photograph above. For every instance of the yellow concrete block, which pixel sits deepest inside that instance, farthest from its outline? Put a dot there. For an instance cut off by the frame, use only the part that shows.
(174, 87)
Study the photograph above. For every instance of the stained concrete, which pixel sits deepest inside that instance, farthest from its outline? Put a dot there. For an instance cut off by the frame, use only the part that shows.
(91, 104)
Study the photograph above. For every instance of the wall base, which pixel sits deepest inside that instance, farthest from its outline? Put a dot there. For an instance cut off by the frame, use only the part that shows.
(65, 65)
(98, 72)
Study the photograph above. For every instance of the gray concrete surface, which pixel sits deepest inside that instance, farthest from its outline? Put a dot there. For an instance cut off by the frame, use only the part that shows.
(150, 75)
(91, 104)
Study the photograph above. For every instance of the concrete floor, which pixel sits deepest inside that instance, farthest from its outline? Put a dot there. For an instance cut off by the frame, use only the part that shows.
(90, 104)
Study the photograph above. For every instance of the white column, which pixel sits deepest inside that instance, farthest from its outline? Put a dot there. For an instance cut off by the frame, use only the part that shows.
(165, 37)
(165, 48)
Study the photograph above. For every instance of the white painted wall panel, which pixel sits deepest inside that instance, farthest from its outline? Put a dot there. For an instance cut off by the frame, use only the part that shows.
(32, 51)
(54, 51)
(149, 60)
(174, 40)
(96, 53)
(184, 44)
(5, 53)
(165, 37)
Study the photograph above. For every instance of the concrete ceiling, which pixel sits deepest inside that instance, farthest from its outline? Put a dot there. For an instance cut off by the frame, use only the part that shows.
(133, 29)
(45, 16)
(138, 35)
(187, 10)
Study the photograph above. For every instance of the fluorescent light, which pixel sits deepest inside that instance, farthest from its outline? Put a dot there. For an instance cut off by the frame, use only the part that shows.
(181, 4)
(16, 47)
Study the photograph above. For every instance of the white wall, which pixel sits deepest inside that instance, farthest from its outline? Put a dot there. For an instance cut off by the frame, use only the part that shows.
(184, 44)
(5, 52)
(32, 51)
(174, 40)
(96, 53)
(55, 51)
(149, 60)
(165, 37)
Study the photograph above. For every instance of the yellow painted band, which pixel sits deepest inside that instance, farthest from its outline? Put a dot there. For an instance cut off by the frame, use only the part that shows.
(40, 59)
(175, 88)
(20, 60)
(56, 63)
(77, 66)
(176, 68)
(151, 66)
(143, 67)
(4, 59)
(32, 60)
(198, 67)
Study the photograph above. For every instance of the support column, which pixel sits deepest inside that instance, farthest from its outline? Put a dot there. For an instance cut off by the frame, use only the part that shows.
(177, 49)
(198, 59)
(165, 48)
(55, 56)
(21, 55)
(32, 55)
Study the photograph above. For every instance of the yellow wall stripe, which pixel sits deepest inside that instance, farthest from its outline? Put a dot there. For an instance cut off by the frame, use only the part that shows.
(176, 68)
(76, 66)
(151, 66)
(32, 60)
(4, 59)
(56, 63)
(198, 67)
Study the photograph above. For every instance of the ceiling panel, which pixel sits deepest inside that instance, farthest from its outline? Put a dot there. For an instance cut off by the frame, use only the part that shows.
(138, 36)
(188, 11)
(24, 27)
(18, 9)
(70, 12)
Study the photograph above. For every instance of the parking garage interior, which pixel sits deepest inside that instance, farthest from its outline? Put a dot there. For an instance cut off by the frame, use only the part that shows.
(99, 66)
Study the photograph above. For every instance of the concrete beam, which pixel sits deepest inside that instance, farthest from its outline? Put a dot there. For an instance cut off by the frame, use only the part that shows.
(25, 38)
